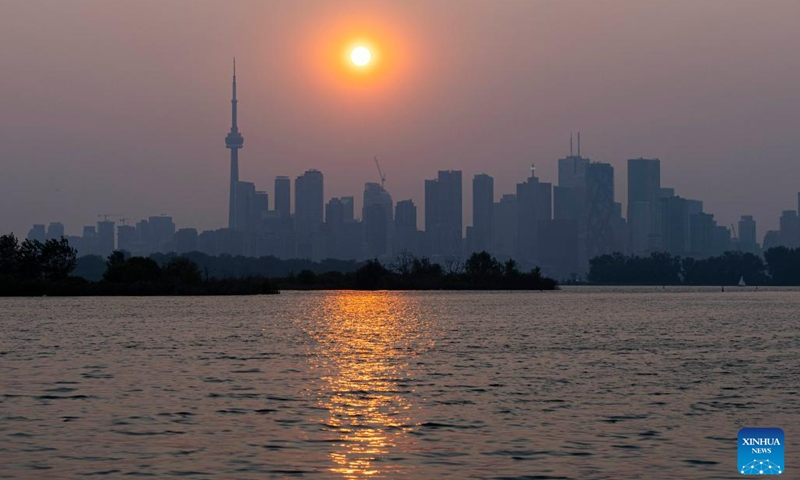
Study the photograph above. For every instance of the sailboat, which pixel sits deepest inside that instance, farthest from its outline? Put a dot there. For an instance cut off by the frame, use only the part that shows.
(741, 281)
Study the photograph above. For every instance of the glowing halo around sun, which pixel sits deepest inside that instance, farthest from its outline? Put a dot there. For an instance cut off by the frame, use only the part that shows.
(360, 56)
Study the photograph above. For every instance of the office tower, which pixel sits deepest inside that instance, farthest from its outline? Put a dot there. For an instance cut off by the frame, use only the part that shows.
(722, 241)
(558, 245)
(105, 237)
(504, 227)
(377, 216)
(702, 226)
(340, 238)
(790, 229)
(128, 240)
(534, 210)
(88, 241)
(675, 227)
(644, 191)
(571, 214)
(160, 234)
(245, 206)
(55, 231)
(747, 234)
(482, 208)
(570, 194)
(348, 209)
(443, 214)
(406, 236)
(234, 141)
(334, 212)
(309, 206)
(601, 210)
(37, 232)
(186, 240)
(261, 208)
(283, 195)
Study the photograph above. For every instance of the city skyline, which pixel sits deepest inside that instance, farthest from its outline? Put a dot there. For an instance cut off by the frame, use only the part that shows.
(138, 133)
(558, 228)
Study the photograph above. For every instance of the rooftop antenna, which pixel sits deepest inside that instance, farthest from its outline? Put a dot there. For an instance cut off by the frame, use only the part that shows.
(570, 144)
(579, 144)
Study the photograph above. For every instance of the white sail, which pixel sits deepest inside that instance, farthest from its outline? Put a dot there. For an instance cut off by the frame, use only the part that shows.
(741, 281)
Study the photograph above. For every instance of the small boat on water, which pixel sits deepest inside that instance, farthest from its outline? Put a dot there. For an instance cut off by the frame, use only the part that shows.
(741, 281)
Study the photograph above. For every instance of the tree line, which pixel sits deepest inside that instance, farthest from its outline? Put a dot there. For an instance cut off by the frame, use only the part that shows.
(34, 268)
(779, 266)
(481, 271)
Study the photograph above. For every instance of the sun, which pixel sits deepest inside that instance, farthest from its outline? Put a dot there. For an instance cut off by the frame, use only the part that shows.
(360, 56)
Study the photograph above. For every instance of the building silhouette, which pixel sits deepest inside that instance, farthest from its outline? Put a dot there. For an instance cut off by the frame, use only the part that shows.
(309, 207)
(479, 236)
(377, 217)
(644, 193)
(37, 232)
(406, 235)
(105, 238)
(443, 215)
(534, 212)
(55, 231)
(283, 196)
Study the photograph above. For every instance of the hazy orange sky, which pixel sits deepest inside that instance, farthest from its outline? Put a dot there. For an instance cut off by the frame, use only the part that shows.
(122, 106)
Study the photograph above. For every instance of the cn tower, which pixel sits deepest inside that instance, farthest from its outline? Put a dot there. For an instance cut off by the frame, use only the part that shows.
(234, 141)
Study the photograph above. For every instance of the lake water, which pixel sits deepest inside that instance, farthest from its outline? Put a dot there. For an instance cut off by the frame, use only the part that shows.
(580, 383)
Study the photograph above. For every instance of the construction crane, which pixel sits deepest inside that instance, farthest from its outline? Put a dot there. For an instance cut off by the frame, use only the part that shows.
(380, 173)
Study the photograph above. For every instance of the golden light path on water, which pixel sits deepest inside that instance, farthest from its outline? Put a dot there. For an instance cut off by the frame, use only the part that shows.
(364, 342)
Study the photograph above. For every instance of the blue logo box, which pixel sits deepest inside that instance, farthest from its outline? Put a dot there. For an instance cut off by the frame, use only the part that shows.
(761, 451)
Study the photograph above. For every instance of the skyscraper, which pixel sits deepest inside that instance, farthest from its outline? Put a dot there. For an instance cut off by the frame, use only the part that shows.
(571, 210)
(534, 210)
(747, 234)
(504, 227)
(348, 209)
(443, 214)
(37, 232)
(283, 196)
(601, 210)
(482, 208)
(790, 229)
(377, 216)
(334, 212)
(128, 240)
(309, 207)
(405, 227)
(55, 231)
(105, 237)
(234, 141)
(644, 192)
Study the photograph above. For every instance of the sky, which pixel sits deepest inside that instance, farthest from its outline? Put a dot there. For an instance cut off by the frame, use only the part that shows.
(121, 107)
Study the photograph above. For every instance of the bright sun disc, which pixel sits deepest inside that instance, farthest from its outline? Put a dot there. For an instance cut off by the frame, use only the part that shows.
(360, 56)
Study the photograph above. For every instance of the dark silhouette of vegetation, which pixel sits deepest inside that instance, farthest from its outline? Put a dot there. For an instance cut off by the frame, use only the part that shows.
(33, 268)
(227, 266)
(780, 266)
(34, 260)
(783, 265)
(480, 272)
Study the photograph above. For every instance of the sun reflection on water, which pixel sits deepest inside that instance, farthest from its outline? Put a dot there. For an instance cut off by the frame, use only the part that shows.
(363, 345)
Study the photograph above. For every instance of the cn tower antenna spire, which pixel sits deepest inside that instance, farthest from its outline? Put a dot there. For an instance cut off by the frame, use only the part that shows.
(233, 142)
